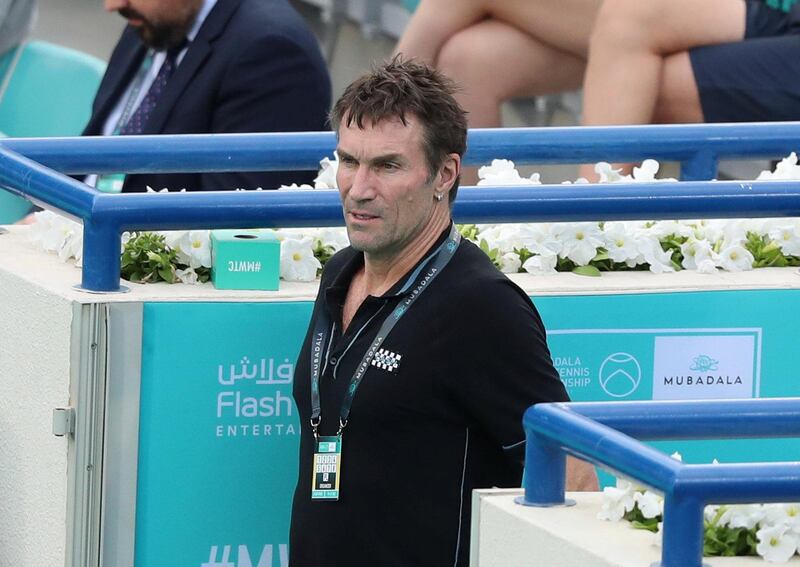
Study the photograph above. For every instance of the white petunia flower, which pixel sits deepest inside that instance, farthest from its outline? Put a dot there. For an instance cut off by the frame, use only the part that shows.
(786, 170)
(650, 503)
(501, 172)
(326, 178)
(776, 544)
(619, 242)
(538, 238)
(55, 233)
(541, 264)
(667, 227)
(707, 267)
(646, 172)
(736, 258)
(187, 276)
(193, 247)
(298, 263)
(510, 263)
(696, 253)
(660, 261)
(787, 236)
(742, 516)
(581, 241)
(783, 515)
(295, 187)
(608, 174)
(617, 500)
(504, 237)
(336, 238)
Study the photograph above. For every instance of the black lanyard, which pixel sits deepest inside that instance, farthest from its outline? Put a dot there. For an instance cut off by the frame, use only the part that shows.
(437, 261)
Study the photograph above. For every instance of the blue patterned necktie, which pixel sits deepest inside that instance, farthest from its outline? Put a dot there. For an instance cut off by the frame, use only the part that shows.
(138, 120)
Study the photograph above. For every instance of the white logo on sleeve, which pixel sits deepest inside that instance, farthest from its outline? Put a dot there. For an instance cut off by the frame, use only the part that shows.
(386, 360)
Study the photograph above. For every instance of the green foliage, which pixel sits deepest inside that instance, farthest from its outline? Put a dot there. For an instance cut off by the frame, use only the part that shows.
(323, 253)
(492, 253)
(767, 253)
(724, 541)
(718, 540)
(146, 258)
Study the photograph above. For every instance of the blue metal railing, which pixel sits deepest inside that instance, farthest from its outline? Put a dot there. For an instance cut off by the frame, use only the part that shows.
(696, 146)
(26, 168)
(597, 433)
(606, 434)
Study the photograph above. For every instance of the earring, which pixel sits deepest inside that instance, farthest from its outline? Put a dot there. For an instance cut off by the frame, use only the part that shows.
(438, 196)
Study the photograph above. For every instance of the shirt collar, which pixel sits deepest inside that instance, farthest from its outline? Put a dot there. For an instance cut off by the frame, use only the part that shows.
(355, 262)
(201, 17)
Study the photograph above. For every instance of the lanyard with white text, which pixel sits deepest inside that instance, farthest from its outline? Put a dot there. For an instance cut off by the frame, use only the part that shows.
(437, 260)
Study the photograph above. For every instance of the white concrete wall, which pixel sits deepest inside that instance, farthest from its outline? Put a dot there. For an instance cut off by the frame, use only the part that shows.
(34, 379)
(506, 534)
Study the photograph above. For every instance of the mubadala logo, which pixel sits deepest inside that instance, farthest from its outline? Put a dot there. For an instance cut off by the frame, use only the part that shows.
(703, 367)
(620, 375)
(704, 363)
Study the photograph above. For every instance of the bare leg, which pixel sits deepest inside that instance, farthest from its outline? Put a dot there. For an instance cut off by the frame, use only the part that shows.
(563, 24)
(434, 22)
(638, 68)
(529, 67)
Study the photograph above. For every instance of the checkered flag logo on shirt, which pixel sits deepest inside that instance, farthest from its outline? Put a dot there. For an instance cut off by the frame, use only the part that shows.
(386, 360)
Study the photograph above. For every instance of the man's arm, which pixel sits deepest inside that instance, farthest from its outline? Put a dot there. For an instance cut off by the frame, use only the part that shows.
(581, 476)
(511, 370)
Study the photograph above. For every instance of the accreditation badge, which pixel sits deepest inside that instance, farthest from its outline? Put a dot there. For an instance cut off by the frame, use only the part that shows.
(327, 468)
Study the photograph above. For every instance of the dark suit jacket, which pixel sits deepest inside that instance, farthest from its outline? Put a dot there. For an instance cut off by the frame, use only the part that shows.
(253, 67)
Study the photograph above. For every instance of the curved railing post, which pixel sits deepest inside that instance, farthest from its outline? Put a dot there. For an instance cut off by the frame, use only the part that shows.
(682, 540)
(547, 457)
(101, 256)
(601, 433)
(700, 166)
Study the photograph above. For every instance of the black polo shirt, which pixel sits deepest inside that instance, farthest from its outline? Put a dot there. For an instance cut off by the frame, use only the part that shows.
(439, 417)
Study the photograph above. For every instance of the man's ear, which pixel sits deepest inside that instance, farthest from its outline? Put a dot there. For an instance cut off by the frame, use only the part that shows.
(448, 173)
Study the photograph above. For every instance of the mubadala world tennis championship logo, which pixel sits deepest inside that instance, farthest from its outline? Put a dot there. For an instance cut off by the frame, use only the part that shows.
(620, 375)
(703, 367)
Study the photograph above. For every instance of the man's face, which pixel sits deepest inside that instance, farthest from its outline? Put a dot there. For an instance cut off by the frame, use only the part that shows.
(383, 179)
(161, 23)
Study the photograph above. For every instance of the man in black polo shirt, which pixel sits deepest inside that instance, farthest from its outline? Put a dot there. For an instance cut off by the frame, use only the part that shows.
(421, 357)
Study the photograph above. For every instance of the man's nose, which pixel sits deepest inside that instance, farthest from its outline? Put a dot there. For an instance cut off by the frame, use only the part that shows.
(114, 5)
(363, 186)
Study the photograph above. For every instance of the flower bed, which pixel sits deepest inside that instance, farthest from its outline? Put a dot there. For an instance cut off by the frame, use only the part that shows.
(771, 531)
(587, 248)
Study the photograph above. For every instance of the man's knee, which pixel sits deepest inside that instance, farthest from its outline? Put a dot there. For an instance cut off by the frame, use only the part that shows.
(462, 55)
(626, 24)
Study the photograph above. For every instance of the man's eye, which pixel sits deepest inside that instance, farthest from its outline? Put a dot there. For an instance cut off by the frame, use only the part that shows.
(349, 162)
(389, 166)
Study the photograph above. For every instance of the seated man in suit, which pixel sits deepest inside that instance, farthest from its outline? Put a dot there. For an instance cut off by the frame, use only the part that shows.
(210, 66)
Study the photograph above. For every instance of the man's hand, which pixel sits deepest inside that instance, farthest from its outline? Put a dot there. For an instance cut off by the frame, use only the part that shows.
(581, 476)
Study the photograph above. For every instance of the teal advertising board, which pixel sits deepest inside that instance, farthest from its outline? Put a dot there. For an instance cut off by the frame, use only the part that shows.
(219, 432)
(676, 346)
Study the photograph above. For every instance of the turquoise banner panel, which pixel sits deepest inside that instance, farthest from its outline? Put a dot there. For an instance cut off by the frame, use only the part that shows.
(218, 433)
(695, 345)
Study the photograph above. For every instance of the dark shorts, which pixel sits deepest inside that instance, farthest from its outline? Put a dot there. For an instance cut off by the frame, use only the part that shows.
(757, 79)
